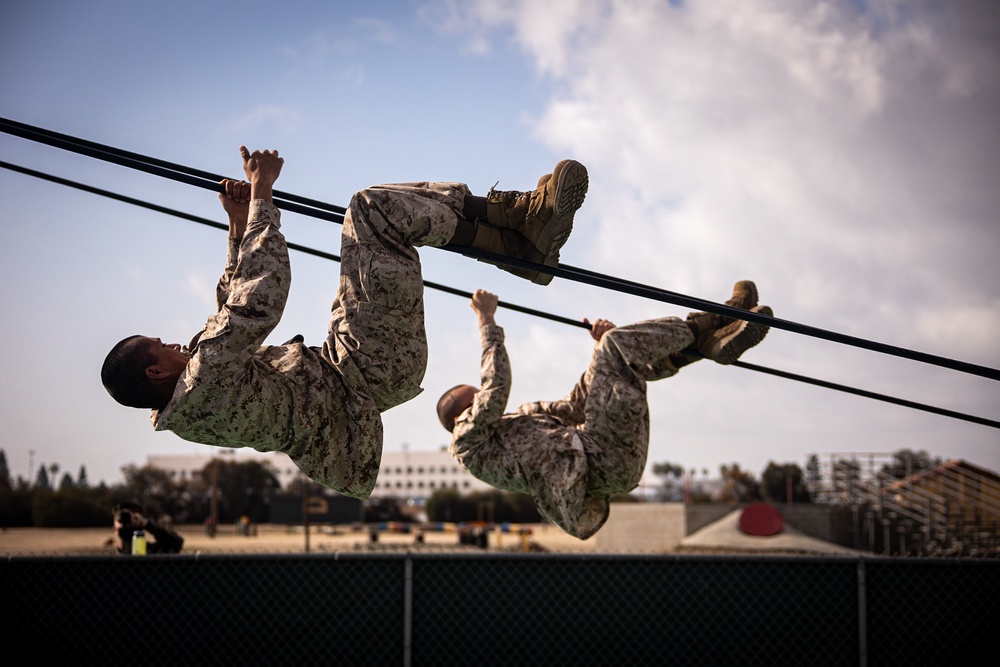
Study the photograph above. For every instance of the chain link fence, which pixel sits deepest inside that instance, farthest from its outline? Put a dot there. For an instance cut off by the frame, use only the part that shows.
(498, 609)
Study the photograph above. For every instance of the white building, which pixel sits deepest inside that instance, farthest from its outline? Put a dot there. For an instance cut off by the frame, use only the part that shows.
(406, 474)
(415, 475)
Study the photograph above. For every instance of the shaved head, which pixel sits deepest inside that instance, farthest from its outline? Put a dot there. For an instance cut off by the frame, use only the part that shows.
(453, 403)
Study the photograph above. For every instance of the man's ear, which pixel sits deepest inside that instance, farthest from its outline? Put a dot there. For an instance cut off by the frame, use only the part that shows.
(154, 373)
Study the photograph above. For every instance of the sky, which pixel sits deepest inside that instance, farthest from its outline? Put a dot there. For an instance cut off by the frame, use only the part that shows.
(844, 155)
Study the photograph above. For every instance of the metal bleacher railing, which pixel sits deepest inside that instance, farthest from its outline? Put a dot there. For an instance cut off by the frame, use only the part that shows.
(947, 510)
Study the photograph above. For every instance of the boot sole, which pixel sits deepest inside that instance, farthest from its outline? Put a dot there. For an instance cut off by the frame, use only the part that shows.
(730, 348)
(534, 276)
(571, 189)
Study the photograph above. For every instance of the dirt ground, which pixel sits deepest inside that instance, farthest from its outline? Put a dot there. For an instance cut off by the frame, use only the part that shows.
(283, 539)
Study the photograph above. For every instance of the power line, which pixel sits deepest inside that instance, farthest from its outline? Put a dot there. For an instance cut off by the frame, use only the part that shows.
(509, 306)
(321, 210)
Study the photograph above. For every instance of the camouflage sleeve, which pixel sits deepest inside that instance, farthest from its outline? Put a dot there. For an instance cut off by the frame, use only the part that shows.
(569, 411)
(478, 424)
(222, 289)
(257, 287)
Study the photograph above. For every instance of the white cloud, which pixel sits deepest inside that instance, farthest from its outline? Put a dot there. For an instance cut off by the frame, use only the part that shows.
(843, 154)
(845, 159)
(805, 133)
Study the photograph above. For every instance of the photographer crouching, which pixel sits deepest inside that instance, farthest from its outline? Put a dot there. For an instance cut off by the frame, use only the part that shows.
(159, 539)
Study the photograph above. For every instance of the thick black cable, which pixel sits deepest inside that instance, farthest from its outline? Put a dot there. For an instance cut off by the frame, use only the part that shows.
(130, 159)
(218, 225)
(646, 291)
(143, 163)
(504, 304)
(584, 275)
(869, 394)
(147, 205)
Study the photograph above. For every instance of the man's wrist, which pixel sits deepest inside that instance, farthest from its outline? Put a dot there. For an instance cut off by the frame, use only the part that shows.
(263, 191)
(238, 227)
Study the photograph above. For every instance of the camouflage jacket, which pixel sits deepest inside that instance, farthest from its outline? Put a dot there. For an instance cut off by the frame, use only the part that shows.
(535, 450)
(237, 392)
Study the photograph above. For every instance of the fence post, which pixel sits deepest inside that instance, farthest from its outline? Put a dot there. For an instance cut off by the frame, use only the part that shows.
(862, 616)
(407, 608)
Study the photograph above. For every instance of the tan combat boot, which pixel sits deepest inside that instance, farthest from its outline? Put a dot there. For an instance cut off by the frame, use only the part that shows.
(510, 243)
(725, 345)
(544, 216)
(744, 297)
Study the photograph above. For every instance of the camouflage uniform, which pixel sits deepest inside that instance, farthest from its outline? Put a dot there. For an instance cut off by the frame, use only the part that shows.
(570, 455)
(319, 405)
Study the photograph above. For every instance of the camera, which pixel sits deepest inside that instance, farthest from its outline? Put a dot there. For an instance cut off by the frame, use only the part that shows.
(124, 517)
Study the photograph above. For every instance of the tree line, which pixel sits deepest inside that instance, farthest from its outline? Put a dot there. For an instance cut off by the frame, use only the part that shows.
(785, 482)
(224, 491)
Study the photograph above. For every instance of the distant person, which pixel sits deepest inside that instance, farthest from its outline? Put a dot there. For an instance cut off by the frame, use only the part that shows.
(322, 405)
(161, 538)
(572, 455)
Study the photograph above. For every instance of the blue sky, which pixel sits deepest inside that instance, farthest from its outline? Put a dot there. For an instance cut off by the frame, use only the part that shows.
(843, 157)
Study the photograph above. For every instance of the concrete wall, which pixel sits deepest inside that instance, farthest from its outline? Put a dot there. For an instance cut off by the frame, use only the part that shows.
(660, 527)
(639, 527)
(824, 522)
(700, 515)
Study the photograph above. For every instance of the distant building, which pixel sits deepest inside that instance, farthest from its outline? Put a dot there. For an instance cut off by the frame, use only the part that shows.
(407, 475)
(410, 476)
(415, 475)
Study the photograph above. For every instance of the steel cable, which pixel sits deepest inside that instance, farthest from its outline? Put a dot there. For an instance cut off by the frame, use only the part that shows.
(317, 209)
(509, 306)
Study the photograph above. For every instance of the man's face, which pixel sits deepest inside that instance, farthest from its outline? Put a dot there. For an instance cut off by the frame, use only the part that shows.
(168, 357)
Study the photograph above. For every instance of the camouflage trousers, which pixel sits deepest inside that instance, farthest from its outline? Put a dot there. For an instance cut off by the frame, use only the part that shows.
(376, 334)
(612, 395)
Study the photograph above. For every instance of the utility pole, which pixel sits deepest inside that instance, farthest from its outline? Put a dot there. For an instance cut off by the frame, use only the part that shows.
(215, 495)
(406, 463)
(305, 507)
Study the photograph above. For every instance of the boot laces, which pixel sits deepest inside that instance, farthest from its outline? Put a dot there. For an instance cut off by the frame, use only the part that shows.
(508, 197)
